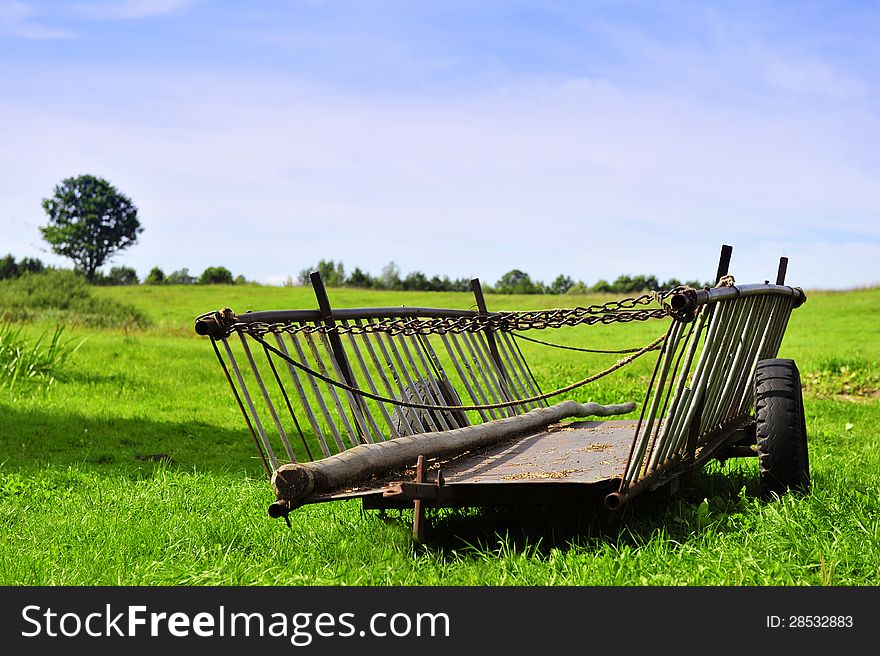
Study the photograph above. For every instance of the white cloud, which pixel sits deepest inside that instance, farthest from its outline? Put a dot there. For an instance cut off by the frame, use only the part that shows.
(19, 19)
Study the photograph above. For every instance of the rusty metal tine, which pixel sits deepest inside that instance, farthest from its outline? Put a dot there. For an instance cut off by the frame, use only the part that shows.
(355, 403)
(454, 338)
(429, 384)
(422, 428)
(485, 370)
(334, 395)
(494, 377)
(429, 420)
(337, 438)
(525, 379)
(407, 429)
(313, 421)
(372, 385)
(247, 397)
(462, 376)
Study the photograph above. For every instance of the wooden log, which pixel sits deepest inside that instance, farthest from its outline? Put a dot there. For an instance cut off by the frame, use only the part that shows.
(295, 482)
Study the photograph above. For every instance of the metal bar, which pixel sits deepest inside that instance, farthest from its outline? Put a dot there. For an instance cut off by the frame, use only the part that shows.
(355, 403)
(337, 438)
(420, 393)
(339, 359)
(241, 407)
(322, 368)
(723, 262)
(372, 385)
(463, 377)
(490, 339)
(533, 382)
(423, 427)
(437, 417)
(454, 338)
(381, 371)
(247, 397)
(303, 398)
(486, 370)
(781, 271)
(430, 379)
(517, 385)
(289, 409)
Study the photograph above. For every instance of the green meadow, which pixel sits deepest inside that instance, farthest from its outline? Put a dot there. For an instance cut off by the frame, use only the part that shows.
(125, 461)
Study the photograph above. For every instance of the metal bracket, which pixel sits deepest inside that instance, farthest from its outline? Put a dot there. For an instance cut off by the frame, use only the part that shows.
(419, 491)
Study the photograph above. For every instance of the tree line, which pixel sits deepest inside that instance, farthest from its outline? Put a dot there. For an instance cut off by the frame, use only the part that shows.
(514, 281)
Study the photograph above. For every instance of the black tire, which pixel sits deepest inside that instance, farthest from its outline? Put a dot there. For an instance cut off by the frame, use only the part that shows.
(780, 428)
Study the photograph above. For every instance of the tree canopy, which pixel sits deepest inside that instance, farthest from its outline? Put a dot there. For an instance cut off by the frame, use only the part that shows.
(89, 221)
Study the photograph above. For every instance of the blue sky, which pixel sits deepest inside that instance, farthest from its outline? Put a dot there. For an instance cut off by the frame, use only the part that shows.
(457, 138)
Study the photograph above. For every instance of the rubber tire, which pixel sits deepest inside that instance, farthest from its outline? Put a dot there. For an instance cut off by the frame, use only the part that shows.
(780, 429)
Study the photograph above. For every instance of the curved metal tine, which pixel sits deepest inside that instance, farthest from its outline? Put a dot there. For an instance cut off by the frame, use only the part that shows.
(422, 427)
(718, 414)
(679, 405)
(484, 399)
(463, 377)
(354, 440)
(653, 420)
(746, 398)
(429, 384)
(247, 397)
(638, 462)
(733, 337)
(483, 367)
(370, 383)
(316, 392)
(666, 418)
(357, 409)
(408, 430)
(522, 375)
(754, 332)
(304, 401)
(429, 415)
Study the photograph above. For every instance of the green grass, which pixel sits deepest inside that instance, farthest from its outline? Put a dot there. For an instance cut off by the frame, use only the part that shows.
(81, 503)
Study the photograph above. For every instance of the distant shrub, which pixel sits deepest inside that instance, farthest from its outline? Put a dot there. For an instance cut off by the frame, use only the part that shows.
(65, 297)
(155, 277)
(181, 277)
(121, 275)
(9, 268)
(216, 276)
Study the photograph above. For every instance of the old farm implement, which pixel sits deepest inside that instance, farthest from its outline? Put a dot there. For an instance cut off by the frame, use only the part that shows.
(418, 407)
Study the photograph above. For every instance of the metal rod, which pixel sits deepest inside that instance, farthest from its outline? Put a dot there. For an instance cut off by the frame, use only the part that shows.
(310, 415)
(406, 428)
(425, 423)
(517, 385)
(439, 418)
(283, 391)
(463, 377)
(372, 385)
(485, 369)
(533, 382)
(355, 403)
(466, 362)
(490, 339)
(241, 407)
(334, 396)
(723, 262)
(334, 432)
(430, 379)
(247, 397)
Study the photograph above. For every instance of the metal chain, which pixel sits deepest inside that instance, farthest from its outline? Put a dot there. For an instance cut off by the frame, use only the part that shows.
(619, 311)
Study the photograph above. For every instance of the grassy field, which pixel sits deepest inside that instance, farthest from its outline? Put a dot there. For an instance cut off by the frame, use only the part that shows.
(82, 503)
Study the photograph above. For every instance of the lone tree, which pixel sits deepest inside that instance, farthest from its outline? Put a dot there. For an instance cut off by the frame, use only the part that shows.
(89, 220)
